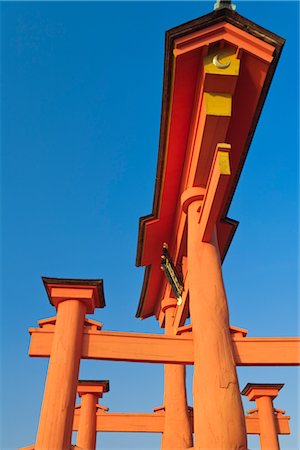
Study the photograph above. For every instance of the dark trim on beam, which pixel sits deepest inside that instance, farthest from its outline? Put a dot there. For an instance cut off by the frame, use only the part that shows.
(97, 283)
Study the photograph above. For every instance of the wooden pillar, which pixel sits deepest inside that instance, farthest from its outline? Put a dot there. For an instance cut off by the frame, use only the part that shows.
(177, 430)
(90, 392)
(263, 394)
(219, 421)
(72, 298)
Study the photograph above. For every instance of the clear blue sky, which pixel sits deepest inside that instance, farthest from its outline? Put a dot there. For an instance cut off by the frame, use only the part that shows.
(81, 93)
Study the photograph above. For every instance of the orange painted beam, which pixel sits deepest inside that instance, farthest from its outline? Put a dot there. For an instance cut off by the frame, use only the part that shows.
(219, 178)
(182, 308)
(114, 346)
(261, 351)
(282, 425)
(32, 447)
(226, 31)
(154, 423)
(126, 422)
(157, 348)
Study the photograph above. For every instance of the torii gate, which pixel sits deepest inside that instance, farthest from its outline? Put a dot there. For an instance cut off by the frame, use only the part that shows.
(218, 70)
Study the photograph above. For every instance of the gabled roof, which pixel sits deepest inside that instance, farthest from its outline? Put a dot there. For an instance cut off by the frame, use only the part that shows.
(179, 84)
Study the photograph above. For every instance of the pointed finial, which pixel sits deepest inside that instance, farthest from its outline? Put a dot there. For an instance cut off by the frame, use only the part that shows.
(220, 4)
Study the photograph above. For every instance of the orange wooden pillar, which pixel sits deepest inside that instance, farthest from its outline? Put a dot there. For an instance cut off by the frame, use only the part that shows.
(216, 388)
(177, 431)
(264, 394)
(72, 299)
(89, 391)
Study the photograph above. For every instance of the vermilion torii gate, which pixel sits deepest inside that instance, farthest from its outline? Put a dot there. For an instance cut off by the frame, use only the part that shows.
(218, 69)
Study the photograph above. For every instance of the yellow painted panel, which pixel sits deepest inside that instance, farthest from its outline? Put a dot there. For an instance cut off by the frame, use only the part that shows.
(222, 57)
(217, 104)
(224, 163)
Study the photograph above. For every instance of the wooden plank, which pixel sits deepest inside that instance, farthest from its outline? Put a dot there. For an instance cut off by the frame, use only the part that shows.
(275, 351)
(181, 310)
(157, 348)
(281, 423)
(218, 181)
(154, 423)
(113, 346)
(126, 422)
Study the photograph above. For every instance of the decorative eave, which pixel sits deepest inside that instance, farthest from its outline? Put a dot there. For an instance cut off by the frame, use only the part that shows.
(185, 47)
(93, 286)
(256, 390)
(262, 386)
(92, 386)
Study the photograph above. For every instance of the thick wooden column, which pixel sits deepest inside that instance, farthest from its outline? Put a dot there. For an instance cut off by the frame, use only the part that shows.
(219, 421)
(55, 426)
(263, 394)
(90, 392)
(268, 435)
(56, 418)
(177, 430)
(86, 436)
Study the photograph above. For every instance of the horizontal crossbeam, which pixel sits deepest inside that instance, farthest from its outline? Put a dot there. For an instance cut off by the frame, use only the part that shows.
(154, 423)
(156, 348)
(126, 422)
(281, 424)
